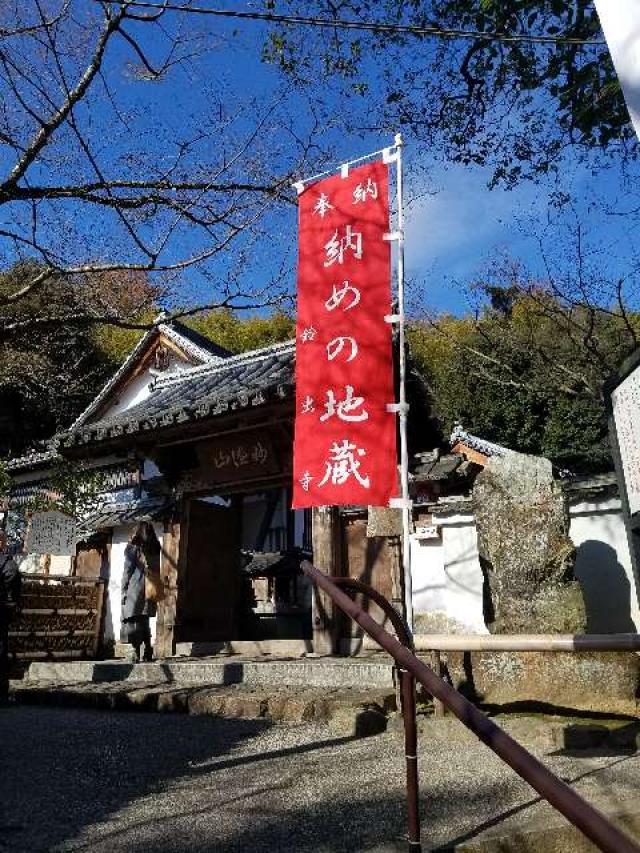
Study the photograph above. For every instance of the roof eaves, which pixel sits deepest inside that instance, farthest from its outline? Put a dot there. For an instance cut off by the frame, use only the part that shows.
(189, 346)
(213, 404)
(488, 448)
(120, 372)
(31, 460)
(219, 365)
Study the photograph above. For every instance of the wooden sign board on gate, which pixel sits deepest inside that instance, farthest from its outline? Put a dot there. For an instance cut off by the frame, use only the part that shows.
(243, 456)
(53, 533)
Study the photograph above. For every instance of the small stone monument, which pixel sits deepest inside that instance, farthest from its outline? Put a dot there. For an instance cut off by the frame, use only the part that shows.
(526, 554)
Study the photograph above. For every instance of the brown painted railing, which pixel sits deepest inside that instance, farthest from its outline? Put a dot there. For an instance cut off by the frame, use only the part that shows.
(561, 796)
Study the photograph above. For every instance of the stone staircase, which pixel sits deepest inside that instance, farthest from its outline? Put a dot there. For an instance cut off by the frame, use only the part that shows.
(354, 696)
(374, 672)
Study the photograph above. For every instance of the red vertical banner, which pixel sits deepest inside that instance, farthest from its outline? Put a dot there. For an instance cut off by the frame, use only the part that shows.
(345, 439)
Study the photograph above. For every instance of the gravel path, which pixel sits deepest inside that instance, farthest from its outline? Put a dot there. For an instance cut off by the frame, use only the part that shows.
(109, 782)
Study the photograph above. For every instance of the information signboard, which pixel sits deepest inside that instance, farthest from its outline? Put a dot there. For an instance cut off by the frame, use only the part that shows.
(53, 533)
(625, 407)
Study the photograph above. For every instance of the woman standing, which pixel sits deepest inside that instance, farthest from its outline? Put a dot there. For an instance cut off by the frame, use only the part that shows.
(140, 588)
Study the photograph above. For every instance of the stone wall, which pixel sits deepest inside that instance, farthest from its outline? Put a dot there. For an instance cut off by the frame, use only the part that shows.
(606, 682)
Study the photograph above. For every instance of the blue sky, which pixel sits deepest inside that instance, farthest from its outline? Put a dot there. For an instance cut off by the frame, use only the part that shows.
(456, 234)
(456, 228)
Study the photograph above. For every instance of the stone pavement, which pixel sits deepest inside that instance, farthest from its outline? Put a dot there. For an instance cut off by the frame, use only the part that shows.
(73, 780)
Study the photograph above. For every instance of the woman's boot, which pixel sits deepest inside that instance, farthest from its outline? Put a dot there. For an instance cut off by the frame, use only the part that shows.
(148, 651)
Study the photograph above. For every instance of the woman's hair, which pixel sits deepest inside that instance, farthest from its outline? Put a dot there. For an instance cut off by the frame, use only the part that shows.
(145, 537)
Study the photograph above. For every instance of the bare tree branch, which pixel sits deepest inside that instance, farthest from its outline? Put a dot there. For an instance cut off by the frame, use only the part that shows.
(50, 125)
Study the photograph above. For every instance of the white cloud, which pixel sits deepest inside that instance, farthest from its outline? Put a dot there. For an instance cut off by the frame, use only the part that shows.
(456, 231)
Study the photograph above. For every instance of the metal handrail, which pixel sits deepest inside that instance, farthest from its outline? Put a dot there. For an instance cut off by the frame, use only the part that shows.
(557, 793)
(407, 703)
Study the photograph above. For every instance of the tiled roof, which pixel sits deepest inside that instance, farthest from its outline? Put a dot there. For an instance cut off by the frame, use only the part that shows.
(114, 515)
(24, 495)
(235, 383)
(440, 468)
(32, 459)
(264, 564)
(190, 342)
(487, 448)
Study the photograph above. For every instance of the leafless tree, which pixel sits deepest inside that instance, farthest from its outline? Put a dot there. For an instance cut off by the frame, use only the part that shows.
(103, 166)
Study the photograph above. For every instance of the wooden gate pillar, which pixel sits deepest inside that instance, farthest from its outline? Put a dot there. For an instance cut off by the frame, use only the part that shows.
(165, 625)
(327, 549)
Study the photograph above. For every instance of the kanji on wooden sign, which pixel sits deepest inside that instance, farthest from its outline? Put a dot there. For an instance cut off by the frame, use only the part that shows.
(345, 439)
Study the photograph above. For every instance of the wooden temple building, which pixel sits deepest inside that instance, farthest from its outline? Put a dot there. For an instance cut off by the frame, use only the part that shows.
(200, 441)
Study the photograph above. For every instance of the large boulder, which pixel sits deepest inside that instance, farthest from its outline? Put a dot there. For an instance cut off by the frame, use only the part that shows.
(525, 551)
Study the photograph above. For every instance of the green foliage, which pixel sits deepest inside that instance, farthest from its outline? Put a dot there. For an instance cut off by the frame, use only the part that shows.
(527, 374)
(5, 480)
(239, 334)
(514, 105)
(114, 343)
(48, 372)
(73, 488)
(230, 330)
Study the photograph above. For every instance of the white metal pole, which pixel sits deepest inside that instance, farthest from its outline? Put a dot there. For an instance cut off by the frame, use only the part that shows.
(403, 408)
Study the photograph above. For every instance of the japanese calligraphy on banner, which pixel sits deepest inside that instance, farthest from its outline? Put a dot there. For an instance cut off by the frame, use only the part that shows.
(345, 439)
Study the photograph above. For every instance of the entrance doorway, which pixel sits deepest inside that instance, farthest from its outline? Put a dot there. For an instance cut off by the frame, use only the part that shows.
(241, 571)
(210, 592)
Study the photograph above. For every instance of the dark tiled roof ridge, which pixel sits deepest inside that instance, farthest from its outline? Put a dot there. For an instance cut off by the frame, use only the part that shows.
(227, 363)
(197, 339)
(475, 442)
(240, 382)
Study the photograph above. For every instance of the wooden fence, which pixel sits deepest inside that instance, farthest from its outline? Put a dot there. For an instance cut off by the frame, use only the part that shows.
(59, 617)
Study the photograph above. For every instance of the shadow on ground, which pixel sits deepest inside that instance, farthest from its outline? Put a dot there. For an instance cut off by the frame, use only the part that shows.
(74, 780)
(62, 769)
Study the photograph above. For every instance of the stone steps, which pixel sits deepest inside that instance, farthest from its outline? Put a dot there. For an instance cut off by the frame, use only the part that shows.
(348, 712)
(365, 673)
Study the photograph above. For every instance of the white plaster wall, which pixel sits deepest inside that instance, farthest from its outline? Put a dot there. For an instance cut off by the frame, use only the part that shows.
(112, 623)
(138, 389)
(120, 537)
(135, 392)
(447, 579)
(603, 566)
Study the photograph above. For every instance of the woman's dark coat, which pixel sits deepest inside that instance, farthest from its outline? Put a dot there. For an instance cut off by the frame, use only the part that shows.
(134, 602)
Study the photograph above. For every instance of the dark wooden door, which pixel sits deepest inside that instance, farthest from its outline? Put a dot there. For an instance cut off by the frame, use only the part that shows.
(373, 560)
(208, 610)
(92, 557)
